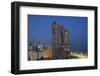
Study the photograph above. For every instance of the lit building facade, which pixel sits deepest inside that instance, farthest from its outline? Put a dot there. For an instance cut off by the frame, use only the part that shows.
(60, 41)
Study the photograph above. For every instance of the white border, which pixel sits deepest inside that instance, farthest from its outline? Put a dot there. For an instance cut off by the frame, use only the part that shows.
(26, 65)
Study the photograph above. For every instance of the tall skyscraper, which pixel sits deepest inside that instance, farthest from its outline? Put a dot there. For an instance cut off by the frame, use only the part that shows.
(56, 40)
(60, 41)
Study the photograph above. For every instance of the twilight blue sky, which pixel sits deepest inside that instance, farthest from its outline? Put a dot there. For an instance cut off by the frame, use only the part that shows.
(39, 29)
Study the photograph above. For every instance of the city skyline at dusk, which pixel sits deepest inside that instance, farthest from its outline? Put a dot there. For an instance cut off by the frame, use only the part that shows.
(39, 29)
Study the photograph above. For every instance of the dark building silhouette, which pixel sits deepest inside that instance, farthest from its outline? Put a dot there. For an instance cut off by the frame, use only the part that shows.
(60, 42)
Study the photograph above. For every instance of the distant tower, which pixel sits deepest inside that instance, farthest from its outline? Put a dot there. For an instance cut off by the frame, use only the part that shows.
(60, 41)
(65, 44)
